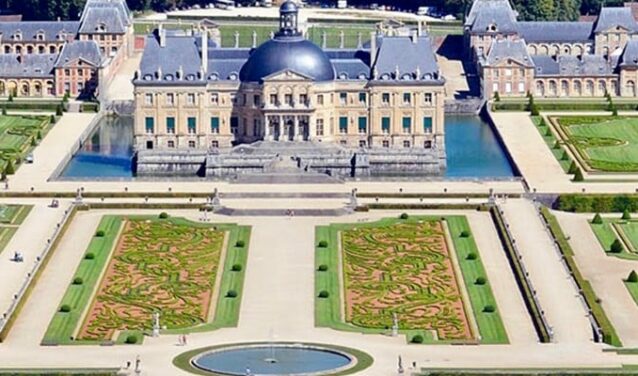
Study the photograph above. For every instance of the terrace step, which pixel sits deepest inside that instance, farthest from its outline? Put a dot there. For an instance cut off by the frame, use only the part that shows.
(283, 212)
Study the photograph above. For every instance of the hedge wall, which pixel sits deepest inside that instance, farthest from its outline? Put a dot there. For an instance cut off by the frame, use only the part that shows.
(563, 106)
(20, 105)
(597, 203)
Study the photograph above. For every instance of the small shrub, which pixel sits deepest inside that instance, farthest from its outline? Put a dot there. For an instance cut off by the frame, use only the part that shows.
(323, 244)
(489, 309)
(131, 339)
(497, 97)
(578, 175)
(240, 244)
(59, 110)
(323, 294)
(38, 135)
(99, 234)
(163, 215)
(597, 220)
(4, 111)
(322, 268)
(78, 281)
(89, 256)
(465, 234)
(548, 132)
(34, 142)
(633, 277)
(572, 167)
(231, 294)
(616, 246)
(51, 121)
(542, 123)
(404, 216)
(65, 308)
(9, 169)
(557, 145)
(565, 156)
(471, 256)
(533, 109)
(236, 268)
(626, 215)
(417, 339)
(480, 281)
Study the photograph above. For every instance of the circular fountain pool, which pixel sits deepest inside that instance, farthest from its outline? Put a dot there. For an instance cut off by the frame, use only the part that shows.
(275, 359)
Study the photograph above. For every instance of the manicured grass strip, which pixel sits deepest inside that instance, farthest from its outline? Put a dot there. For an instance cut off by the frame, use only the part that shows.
(78, 297)
(6, 233)
(552, 142)
(328, 310)
(22, 214)
(609, 333)
(183, 361)
(632, 287)
(523, 283)
(14, 214)
(606, 236)
(490, 324)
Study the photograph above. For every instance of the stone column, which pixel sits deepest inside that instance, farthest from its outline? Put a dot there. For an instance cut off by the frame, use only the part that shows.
(296, 135)
(281, 128)
(267, 128)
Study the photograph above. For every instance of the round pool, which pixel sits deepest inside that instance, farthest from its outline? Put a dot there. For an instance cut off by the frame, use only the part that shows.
(274, 359)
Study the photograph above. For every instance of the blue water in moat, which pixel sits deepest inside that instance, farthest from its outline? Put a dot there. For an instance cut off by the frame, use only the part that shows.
(289, 361)
(473, 151)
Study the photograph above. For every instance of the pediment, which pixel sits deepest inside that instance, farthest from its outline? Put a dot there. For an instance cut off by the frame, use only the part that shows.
(510, 62)
(76, 62)
(287, 75)
(615, 29)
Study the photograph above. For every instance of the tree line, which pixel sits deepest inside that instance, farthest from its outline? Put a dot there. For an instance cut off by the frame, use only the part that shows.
(540, 10)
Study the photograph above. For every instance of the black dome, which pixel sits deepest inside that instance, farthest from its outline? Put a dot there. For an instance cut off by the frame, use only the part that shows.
(288, 7)
(281, 53)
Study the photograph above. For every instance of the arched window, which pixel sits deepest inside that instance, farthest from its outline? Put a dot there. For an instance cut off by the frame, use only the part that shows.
(540, 88)
(630, 88)
(589, 88)
(602, 87)
(552, 88)
(564, 88)
(578, 88)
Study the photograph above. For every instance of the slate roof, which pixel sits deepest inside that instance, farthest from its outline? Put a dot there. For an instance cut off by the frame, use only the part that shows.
(588, 65)
(32, 65)
(406, 55)
(555, 31)
(124, 13)
(629, 56)
(487, 12)
(85, 50)
(30, 29)
(179, 53)
(109, 17)
(617, 16)
(503, 49)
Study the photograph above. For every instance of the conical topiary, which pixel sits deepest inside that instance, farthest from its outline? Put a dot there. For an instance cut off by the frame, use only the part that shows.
(598, 220)
(616, 246)
(578, 175)
(633, 277)
(572, 167)
(626, 215)
(9, 169)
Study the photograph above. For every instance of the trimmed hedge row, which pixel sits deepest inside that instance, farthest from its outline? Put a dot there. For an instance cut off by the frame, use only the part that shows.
(563, 106)
(609, 333)
(600, 203)
(19, 105)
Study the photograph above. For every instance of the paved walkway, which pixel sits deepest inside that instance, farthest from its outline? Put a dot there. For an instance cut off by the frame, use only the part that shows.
(605, 273)
(557, 294)
(121, 87)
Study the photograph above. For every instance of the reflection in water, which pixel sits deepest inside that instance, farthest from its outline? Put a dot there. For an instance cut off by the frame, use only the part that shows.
(107, 152)
(473, 150)
(471, 146)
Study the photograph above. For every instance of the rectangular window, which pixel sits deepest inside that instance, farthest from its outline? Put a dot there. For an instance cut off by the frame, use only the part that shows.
(363, 124)
(80, 86)
(406, 144)
(427, 124)
(407, 124)
(214, 125)
(190, 99)
(191, 144)
(192, 125)
(303, 99)
(362, 143)
(288, 99)
(149, 123)
(508, 72)
(343, 98)
(257, 100)
(233, 98)
(214, 144)
(385, 143)
(148, 99)
(170, 125)
(494, 87)
(234, 124)
(319, 127)
(407, 98)
(343, 125)
(521, 87)
(427, 98)
(171, 144)
(214, 98)
(170, 99)
(385, 98)
(273, 99)
(320, 99)
(363, 98)
(385, 125)
(508, 87)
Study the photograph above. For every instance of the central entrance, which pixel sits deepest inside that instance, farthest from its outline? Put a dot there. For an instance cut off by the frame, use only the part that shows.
(287, 128)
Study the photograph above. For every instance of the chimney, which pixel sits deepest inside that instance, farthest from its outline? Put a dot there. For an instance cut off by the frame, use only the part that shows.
(415, 37)
(419, 28)
(204, 51)
(161, 35)
(373, 48)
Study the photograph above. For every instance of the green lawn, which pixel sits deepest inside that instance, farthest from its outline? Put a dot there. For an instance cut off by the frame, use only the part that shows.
(550, 139)
(605, 234)
(11, 217)
(17, 134)
(632, 287)
(605, 143)
(328, 310)
(79, 296)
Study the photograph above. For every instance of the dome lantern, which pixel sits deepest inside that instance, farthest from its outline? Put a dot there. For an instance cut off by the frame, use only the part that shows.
(288, 19)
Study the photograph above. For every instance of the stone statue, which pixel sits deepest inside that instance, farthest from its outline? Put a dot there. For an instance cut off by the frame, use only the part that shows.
(236, 39)
(395, 326)
(138, 365)
(254, 39)
(353, 198)
(215, 201)
(272, 34)
(359, 40)
(400, 367)
(78, 196)
(341, 39)
(324, 39)
(156, 324)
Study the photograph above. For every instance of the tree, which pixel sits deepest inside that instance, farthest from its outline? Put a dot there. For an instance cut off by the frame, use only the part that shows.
(633, 277)
(598, 220)
(578, 175)
(626, 215)
(533, 109)
(616, 246)
(497, 97)
(58, 110)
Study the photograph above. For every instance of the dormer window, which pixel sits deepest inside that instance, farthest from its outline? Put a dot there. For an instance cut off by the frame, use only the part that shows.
(17, 35)
(61, 36)
(101, 28)
(492, 28)
(39, 36)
